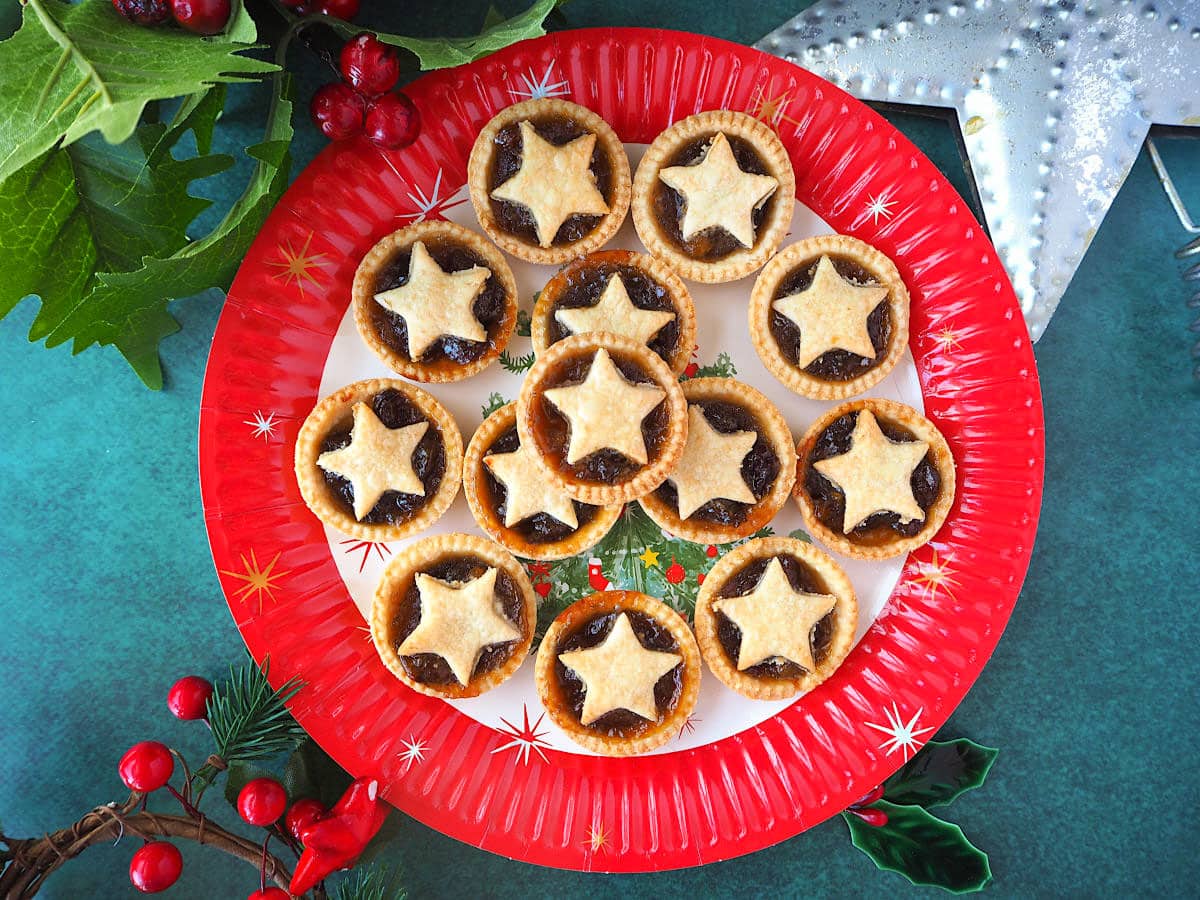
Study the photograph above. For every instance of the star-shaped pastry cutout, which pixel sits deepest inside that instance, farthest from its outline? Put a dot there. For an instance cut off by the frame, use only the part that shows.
(875, 474)
(832, 314)
(711, 465)
(615, 312)
(619, 673)
(458, 621)
(776, 620)
(377, 459)
(435, 303)
(606, 411)
(717, 193)
(528, 491)
(553, 183)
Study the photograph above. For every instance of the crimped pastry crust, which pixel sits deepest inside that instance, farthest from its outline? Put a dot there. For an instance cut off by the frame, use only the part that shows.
(336, 408)
(400, 573)
(845, 617)
(906, 417)
(768, 236)
(801, 255)
(656, 470)
(776, 430)
(606, 138)
(602, 603)
(474, 475)
(681, 299)
(363, 297)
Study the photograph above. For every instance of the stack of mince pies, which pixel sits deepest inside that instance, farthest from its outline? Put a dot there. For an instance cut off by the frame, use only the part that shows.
(603, 419)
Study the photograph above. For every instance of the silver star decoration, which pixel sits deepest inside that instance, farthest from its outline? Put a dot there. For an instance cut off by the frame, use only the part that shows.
(1053, 99)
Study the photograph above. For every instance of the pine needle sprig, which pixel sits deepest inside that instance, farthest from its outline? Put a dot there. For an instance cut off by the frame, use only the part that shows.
(369, 883)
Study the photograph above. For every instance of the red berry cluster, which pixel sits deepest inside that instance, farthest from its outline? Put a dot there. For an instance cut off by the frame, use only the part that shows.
(200, 16)
(339, 9)
(363, 101)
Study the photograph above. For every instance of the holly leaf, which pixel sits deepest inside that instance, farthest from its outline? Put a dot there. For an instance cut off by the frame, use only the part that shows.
(311, 772)
(439, 53)
(72, 69)
(941, 772)
(923, 848)
(238, 775)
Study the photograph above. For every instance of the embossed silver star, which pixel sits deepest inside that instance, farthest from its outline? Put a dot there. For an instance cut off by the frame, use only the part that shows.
(1053, 97)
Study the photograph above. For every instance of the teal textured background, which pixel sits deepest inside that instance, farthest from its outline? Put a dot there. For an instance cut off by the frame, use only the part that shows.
(107, 590)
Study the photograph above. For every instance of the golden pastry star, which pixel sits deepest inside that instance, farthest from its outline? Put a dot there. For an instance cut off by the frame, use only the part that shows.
(776, 619)
(875, 474)
(377, 459)
(458, 621)
(616, 313)
(553, 183)
(435, 303)
(831, 314)
(606, 411)
(711, 465)
(528, 492)
(718, 193)
(619, 673)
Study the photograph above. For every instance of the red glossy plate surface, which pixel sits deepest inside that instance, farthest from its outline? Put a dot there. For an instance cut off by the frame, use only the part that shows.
(734, 795)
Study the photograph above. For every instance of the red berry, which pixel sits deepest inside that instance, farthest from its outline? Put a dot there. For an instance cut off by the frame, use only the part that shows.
(876, 818)
(871, 796)
(675, 572)
(392, 121)
(337, 110)
(262, 801)
(146, 766)
(271, 893)
(155, 867)
(302, 814)
(144, 12)
(710, 551)
(369, 65)
(339, 9)
(202, 16)
(691, 370)
(188, 697)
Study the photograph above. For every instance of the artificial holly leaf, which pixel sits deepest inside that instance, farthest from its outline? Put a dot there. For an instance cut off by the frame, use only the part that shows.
(940, 773)
(238, 775)
(439, 53)
(923, 848)
(76, 68)
(311, 772)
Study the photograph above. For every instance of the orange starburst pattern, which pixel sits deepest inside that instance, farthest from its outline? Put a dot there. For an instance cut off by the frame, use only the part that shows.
(597, 837)
(937, 574)
(296, 266)
(259, 582)
(947, 339)
(771, 110)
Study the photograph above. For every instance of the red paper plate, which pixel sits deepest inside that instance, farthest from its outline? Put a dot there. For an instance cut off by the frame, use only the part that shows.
(500, 789)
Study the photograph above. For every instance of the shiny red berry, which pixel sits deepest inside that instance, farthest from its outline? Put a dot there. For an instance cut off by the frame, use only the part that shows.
(871, 796)
(262, 801)
(876, 818)
(144, 12)
(392, 121)
(369, 65)
(271, 893)
(337, 110)
(303, 813)
(710, 551)
(188, 697)
(202, 16)
(339, 9)
(155, 867)
(146, 766)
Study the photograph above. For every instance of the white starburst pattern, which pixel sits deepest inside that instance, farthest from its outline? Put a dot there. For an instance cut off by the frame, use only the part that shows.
(428, 205)
(901, 735)
(879, 206)
(525, 740)
(538, 88)
(263, 426)
(413, 752)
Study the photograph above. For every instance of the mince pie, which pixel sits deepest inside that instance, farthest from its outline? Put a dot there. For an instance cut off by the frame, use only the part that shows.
(875, 479)
(549, 180)
(603, 416)
(622, 292)
(829, 316)
(775, 617)
(737, 468)
(453, 615)
(514, 502)
(713, 196)
(619, 672)
(379, 460)
(435, 301)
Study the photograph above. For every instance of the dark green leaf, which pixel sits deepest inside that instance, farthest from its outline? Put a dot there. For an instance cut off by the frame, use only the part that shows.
(310, 772)
(923, 848)
(239, 775)
(940, 773)
(438, 53)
